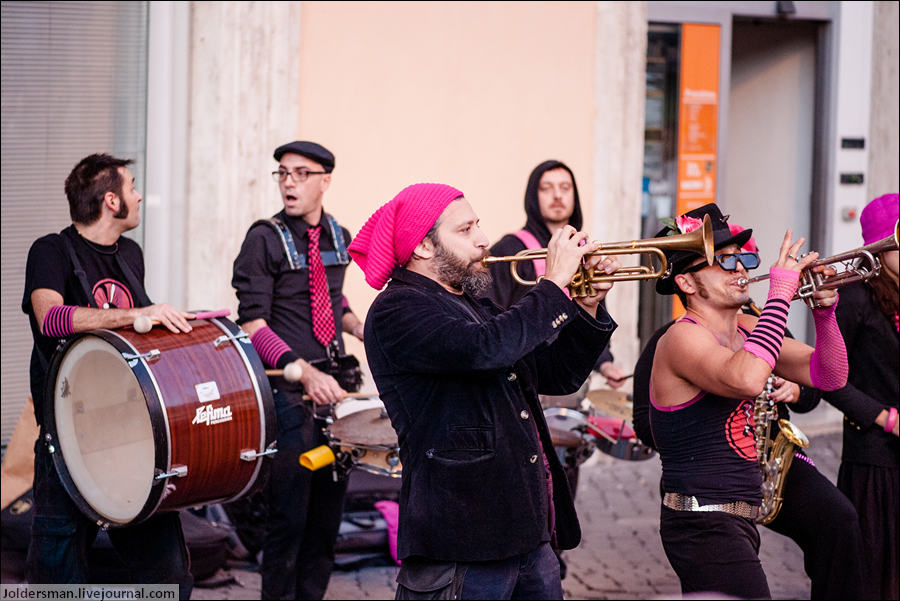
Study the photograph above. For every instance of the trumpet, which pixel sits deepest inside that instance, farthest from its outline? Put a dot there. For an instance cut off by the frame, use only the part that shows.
(860, 264)
(699, 241)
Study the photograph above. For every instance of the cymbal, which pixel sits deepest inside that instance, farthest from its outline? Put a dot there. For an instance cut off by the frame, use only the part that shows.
(611, 402)
(367, 427)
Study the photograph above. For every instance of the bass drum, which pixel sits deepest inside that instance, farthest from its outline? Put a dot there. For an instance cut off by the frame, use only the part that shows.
(142, 423)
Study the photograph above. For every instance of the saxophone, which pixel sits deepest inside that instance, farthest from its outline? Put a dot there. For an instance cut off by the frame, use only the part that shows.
(774, 457)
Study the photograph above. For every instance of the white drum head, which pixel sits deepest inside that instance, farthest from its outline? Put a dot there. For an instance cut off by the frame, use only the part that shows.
(348, 406)
(104, 430)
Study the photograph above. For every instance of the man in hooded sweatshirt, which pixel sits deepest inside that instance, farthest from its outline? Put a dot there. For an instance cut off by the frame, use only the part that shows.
(551, 202)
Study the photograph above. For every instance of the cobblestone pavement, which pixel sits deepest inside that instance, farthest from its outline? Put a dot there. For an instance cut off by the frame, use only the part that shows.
(620, 556)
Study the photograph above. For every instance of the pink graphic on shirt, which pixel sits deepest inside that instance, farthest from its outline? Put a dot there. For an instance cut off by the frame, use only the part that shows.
(112, 294)
(739, 431)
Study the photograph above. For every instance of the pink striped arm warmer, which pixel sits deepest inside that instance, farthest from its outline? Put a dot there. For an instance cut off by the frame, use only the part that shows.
(58, 322)
(766, 338)
(272, 349)
(828, 367)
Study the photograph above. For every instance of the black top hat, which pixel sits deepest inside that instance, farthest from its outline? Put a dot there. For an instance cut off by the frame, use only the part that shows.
(310, 150)
(679, 260)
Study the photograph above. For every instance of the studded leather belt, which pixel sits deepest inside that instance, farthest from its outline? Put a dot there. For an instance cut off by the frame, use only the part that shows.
(680, 502)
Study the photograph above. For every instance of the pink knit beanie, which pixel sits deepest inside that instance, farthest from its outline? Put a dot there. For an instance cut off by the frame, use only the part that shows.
(879, 217)
(390, 235)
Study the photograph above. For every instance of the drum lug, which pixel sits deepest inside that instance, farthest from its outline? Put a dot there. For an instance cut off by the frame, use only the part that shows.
(252, 455)
(178, 471)
(148, 356)
(226, 338)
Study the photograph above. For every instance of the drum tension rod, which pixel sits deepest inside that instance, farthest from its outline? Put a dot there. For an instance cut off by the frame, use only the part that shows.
(148, 356)
(253, 455)
(226, 338)
(178, 471)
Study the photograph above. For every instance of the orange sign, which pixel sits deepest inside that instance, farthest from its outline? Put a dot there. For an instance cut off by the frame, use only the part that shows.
(698, 114)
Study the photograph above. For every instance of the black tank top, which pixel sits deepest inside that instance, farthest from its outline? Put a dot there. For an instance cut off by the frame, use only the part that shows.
(708, 447)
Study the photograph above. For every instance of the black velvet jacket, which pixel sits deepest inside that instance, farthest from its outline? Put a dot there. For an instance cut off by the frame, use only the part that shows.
(873, 352)
(460, 379)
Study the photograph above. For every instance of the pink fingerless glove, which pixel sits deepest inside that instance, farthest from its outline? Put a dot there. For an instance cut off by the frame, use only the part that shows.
(766, 338)
(828, 367)
(59, 321)
(269, 346)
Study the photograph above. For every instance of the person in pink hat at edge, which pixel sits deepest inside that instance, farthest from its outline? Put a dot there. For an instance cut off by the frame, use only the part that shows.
(484, 498)
(870, 461)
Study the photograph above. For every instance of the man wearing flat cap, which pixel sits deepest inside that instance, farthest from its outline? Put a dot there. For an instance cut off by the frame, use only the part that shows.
(484, 498)
(707, 368)
(289, 277)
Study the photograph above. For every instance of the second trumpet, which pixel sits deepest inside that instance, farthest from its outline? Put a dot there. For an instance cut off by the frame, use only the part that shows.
(699, 241)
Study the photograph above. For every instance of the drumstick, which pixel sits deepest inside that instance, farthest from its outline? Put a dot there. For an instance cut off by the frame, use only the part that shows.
(144, 324)
(291, 372)
(349, 395)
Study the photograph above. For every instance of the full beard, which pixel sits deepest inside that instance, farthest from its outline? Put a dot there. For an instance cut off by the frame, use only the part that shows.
(470, 278)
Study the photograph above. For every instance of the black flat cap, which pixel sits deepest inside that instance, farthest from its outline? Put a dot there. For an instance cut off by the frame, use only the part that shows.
(310, 150)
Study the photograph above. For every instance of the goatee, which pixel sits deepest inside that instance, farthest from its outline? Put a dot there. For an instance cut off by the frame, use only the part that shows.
(469, 278)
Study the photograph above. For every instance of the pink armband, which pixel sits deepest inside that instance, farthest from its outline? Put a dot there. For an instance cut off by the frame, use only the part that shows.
(269, 346)
(891, 420)
(58, 322)
(828, 367)
(766, 338)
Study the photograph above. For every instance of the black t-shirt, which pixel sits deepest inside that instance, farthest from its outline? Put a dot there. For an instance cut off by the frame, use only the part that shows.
(50, 266)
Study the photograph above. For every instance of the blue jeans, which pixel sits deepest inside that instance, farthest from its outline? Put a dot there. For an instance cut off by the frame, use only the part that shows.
(533, 575)
(61, 535)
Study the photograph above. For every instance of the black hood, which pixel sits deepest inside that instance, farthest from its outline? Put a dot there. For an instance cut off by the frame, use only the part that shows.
(535, 223)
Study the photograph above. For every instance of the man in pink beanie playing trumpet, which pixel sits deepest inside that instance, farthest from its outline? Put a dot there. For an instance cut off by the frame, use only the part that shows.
(484, 498)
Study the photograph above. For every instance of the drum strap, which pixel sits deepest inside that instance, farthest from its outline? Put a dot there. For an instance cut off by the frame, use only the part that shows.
(79, 271)
(130, 279)
(296, 260)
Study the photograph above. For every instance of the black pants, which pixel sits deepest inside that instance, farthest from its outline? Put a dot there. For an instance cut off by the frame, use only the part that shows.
(714, 552)
(154, 550)
(823, 522)
(304, 510)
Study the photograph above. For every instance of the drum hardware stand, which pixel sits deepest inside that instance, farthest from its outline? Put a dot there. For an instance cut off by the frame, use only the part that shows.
(178, 471)
(133, 359)
(226, 338)
(253, 455)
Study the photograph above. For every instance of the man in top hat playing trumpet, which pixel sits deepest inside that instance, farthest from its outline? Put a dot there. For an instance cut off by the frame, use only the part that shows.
(707, 369)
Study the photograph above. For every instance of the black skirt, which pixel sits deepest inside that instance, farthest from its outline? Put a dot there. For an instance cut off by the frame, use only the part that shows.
(875, 491)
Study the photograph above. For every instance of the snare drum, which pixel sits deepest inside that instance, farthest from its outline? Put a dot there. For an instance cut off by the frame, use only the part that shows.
(141, 423)
(363, 432)
(615, 437)
(567, 431)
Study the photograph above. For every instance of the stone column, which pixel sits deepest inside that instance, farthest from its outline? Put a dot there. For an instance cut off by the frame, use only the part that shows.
(621, 52)
(244, 59)
(884, 123)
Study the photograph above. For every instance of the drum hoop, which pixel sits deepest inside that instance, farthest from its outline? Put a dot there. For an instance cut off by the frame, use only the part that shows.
(165, 431)
(59, 462)
(266, 421)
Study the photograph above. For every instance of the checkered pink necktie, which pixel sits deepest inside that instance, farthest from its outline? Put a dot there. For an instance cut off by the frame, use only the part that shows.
(322, 314)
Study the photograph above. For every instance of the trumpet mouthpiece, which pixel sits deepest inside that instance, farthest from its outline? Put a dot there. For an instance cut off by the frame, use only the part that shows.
(743, 282)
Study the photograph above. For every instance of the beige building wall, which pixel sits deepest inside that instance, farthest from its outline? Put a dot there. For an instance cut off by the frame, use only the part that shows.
(884, 124)
(474, 95)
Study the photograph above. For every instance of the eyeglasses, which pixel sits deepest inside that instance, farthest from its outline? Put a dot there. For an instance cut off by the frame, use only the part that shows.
(299, 174)
(729, 262)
